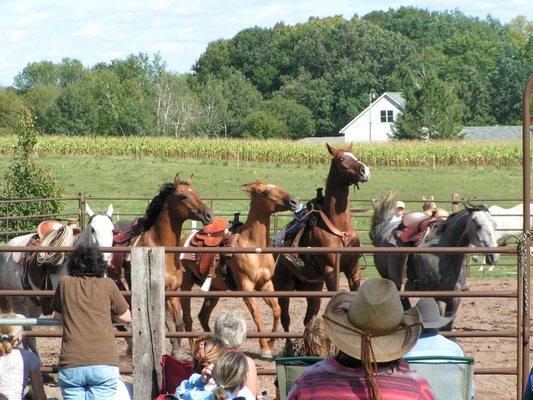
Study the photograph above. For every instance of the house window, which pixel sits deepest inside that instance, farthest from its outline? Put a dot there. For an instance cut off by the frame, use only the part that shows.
(387, 116)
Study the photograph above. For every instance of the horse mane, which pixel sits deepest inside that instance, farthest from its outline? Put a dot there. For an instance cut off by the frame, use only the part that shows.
(441, 226)
(383, 212)
(154, 207)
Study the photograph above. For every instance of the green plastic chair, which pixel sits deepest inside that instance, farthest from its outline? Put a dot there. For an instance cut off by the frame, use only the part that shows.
(451, 378)
(288, 369)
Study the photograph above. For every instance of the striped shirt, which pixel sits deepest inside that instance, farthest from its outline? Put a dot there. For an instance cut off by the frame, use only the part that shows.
(328, 379)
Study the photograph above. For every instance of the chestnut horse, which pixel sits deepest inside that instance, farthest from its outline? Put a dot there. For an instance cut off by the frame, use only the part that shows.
(247, 271)
(161, 226)
(333, 229)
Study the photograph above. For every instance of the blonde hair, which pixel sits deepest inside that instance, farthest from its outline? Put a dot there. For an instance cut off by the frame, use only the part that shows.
(229, 373)
(315, 340)
(9, 335)
(207, 350)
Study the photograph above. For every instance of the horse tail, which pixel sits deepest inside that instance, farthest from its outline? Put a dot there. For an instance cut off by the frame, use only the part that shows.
(383, 212)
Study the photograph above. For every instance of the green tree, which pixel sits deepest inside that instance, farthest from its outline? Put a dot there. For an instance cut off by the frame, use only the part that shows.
(24, 178)
(11, 108)
(36, 74)
(41, 100)
(297, 118)
(262, 125)
(432, 111)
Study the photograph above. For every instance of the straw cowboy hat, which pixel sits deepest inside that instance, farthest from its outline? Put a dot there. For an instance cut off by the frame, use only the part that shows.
(430, 314)
(372, 322)
(400, 204)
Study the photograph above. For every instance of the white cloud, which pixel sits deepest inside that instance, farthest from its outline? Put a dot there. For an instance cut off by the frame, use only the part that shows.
(100, 30)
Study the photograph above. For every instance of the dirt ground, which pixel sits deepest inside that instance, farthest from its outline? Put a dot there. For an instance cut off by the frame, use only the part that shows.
(474, 314)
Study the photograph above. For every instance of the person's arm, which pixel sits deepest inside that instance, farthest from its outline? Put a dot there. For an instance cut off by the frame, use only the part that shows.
(120, 310)
(124, 318)
(251, 378)
(36, 381)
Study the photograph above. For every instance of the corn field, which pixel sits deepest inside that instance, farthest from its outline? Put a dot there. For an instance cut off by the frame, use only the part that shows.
(391, 154)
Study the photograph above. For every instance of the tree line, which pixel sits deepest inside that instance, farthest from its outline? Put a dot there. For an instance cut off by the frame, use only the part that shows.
(293, 81)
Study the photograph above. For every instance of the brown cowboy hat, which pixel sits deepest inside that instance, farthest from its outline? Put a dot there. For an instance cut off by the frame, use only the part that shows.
(375, 311)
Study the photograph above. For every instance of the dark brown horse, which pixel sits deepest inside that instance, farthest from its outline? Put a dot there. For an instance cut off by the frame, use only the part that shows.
(248, 271)
(161, 226)
(333, 229)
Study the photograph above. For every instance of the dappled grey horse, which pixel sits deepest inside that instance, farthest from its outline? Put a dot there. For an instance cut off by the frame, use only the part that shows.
(471, 226)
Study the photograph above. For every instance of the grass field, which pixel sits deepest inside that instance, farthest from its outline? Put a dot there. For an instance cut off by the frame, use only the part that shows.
(117, 176)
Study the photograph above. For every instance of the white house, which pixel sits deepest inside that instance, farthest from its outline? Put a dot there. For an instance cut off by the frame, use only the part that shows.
(373, 124)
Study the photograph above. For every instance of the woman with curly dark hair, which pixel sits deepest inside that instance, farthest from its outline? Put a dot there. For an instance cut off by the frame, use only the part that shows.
(86, 302)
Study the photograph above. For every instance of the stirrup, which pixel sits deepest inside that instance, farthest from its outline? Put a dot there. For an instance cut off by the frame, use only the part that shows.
(295, 260)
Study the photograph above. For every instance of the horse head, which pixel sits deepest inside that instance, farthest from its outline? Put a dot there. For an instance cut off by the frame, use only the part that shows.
(185, 203)
(481, 230)
(98, 231)
(347, 167)
(271, 198)
(429, 203)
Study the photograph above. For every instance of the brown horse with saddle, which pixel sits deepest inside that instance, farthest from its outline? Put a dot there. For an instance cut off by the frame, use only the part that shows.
(244, 272)
(176, 202)
(326, 223)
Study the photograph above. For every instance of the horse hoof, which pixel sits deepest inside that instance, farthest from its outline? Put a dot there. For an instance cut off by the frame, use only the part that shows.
(266, 354)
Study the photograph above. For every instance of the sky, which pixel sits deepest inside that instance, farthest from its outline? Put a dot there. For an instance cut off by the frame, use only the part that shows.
(101, 30)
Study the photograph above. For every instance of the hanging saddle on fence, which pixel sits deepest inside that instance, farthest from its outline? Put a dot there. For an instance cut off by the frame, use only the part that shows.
(36, 267)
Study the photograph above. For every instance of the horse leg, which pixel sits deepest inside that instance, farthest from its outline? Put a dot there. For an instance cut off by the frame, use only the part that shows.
(174, 322)
(283, 280)
(251, 304)
(452, 305)
(273, 303)
(353, 274)
(313, 303)
(205, 312)
(186, 286)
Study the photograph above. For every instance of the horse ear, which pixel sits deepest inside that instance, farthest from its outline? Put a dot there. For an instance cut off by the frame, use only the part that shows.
(188, 181)
(177, 178)
(109, 211)
(431, 197)
(88, 210)
(350, 147)
(469, 208)
(331, 150)
(424, 198)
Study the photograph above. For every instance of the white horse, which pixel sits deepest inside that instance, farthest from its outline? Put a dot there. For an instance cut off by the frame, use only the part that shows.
(509, 223)
(98, 232)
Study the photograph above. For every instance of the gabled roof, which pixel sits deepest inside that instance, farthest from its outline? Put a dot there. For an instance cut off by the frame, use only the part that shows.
(394, 97)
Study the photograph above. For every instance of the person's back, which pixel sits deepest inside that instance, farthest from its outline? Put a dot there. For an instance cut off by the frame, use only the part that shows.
(372, 332)
(18, 367)
(86, 302)
(345, 378)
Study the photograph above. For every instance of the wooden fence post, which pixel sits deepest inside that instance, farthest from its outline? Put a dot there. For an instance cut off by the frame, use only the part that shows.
(148, 319)
(455, 202)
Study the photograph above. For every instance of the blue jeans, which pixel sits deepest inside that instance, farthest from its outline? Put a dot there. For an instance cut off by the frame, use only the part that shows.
(93, 382)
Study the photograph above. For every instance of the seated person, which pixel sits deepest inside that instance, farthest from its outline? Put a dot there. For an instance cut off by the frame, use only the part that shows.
(430, 343)
(372, 332)
(18, 367)
(231, 330)
(224, 379)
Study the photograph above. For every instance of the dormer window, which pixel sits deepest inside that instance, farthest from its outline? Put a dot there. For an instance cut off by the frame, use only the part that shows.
(387, 116)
